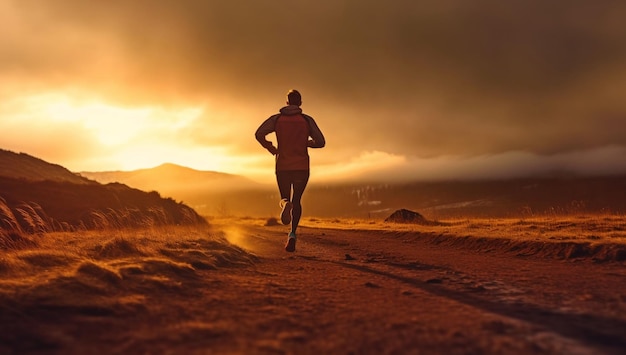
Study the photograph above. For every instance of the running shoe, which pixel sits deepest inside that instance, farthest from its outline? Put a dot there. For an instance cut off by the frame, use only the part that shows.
(285, 214)
(291, 242)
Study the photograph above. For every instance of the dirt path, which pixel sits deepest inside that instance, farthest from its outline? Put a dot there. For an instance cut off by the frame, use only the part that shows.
(360, 292)
(373, 292)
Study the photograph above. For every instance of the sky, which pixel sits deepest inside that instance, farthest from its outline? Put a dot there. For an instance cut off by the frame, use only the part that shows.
(402, 89)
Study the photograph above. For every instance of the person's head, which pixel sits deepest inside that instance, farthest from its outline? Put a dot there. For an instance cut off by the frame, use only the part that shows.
(294, 98)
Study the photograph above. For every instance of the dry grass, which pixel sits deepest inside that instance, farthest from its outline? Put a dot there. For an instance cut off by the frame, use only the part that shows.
(610, 228)
(599, 238)
(587, 228)
(122, 252)
(23, 226)
(18, 227)
(136, 286)
(103, 276)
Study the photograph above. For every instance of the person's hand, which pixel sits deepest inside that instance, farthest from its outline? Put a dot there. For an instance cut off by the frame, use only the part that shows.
(272, 150)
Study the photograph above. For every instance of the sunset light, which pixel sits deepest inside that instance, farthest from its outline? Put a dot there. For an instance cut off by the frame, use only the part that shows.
(114, 125)
(134, 137)
(401, 97)
(312, 177)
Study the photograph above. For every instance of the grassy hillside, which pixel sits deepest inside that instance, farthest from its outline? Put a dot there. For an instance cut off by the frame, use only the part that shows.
(208, 192)
(36, 196)
(67, 206)
(24, 166)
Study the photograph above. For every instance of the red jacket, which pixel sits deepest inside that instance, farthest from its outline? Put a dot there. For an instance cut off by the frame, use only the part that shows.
(293, 130)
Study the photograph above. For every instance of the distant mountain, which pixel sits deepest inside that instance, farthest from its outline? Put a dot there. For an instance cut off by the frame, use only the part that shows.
(177, 181)
(208, 192)
(24, 166)
(171, 178)
(38, 196)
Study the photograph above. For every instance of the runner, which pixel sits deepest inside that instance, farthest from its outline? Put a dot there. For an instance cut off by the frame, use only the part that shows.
(295, 132)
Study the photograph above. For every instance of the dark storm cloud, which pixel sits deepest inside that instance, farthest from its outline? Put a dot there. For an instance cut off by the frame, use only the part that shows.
(408, 77)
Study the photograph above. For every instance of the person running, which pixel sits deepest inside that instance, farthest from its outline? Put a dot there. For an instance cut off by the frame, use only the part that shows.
(295, 133)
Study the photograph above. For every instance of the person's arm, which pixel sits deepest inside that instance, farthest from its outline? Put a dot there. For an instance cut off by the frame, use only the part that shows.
(317, 138)
(264, 129)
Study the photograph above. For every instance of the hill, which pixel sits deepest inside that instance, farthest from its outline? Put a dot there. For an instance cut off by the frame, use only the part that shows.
(39, 196)
(171, 179)
(24, 166)
(208, 192)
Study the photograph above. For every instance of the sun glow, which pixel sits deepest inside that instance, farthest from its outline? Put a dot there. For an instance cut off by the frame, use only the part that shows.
(115, 125)
(114, 137)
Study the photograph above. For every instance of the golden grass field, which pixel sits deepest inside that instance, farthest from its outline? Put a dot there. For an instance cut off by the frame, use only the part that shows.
(226, 287)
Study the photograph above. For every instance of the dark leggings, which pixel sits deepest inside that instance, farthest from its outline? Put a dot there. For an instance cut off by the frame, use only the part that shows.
(296, 180)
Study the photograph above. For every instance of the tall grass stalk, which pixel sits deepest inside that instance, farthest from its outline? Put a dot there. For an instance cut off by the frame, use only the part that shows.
(8, 219)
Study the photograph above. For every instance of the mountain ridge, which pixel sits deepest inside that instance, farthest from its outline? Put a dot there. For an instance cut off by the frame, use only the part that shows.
(165, 168)
(171, 179)
(38, 196)
(25, 166)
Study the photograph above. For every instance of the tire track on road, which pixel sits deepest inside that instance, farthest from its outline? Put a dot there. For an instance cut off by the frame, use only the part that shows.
(596, 331)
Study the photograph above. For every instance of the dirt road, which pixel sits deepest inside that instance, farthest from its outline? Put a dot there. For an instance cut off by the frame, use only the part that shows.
(342, 291)
(389, 292)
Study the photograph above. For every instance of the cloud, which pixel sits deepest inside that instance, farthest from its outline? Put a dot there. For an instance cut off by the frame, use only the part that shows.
(601, 161)
(409, 78)
(366, 164)
(70, 143)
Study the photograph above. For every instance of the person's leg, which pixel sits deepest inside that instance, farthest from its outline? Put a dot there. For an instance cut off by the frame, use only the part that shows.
(299, 181)
(286, 181)
(284, 187)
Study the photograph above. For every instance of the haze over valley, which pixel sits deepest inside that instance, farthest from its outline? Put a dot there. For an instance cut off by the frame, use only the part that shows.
(219, 194)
